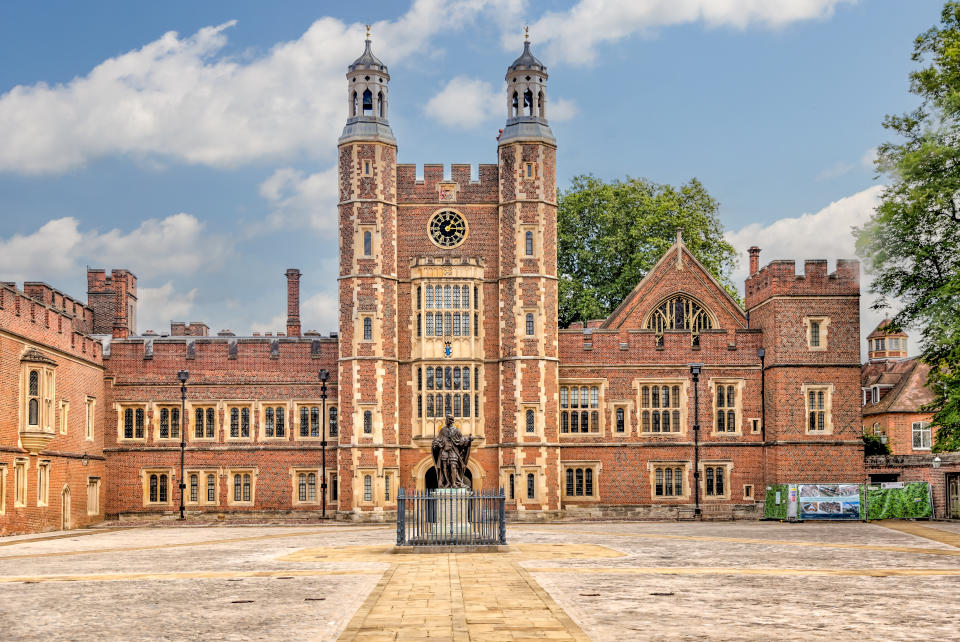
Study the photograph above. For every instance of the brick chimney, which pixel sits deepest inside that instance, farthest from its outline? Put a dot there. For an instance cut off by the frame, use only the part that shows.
(754, 259)
(293, 302)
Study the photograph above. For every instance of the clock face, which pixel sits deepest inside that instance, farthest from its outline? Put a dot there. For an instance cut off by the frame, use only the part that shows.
(447, 229)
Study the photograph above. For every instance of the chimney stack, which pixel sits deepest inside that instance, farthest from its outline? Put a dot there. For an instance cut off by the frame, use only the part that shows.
(754, 259)
(293, 302)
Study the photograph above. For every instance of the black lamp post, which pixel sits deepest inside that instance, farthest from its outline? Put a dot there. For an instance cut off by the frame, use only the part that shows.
(183, 375)
(695, 373)
(324, 375)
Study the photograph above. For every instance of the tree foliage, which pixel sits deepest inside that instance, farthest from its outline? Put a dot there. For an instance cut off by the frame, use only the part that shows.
(611, 234)
(912, 242)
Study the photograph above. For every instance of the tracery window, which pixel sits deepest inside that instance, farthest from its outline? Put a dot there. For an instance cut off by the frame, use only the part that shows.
(679, 312)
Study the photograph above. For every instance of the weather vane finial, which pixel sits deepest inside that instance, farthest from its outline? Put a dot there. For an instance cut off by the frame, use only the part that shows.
(526, 33)
(368, 32)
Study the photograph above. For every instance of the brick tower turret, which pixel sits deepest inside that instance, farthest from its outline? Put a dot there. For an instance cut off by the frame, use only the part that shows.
(528, 289)
(367, 390)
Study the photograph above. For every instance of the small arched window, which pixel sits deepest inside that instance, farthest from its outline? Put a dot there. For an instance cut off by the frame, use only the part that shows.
(380, 104)
(312, 487)
(531, 488)
(367, 243)
(237, 488)
(528, 103)
(234, 422)
(367, 488)
(529, 325)
(197, 424)
(419, 294)
(367, 102)
(530, 421)
(541, 112)
(211, 488)
(34, 419)
(139, 425)
(268, 422)
(34, 383)
(165, 424)
(367, 329)
(163, 489)
(246, 487)
(194, 487)
(302, 487)
(515, 105)
(355, 104)
(333, 422)
(210, 422)
(620, 420)
(367, 422)
(153, 488)
(529, 243)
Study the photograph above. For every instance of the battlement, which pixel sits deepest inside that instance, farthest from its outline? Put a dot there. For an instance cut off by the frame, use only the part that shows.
(465, 190)
(81, 313)
(288, 354)
(780, 278)
(45, 323)
(113, 300)
(191, 329)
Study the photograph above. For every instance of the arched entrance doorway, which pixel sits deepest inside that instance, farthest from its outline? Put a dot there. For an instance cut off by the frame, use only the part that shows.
(65, 509)
(430, 478)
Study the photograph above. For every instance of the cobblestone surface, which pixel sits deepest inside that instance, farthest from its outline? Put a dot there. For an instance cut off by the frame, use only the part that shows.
(605, 581)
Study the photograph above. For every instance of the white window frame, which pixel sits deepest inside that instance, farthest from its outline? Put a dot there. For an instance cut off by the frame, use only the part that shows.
(921, 427)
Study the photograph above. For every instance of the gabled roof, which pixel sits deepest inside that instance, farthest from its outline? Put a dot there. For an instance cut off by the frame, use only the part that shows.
(683, 259)
(909, 392)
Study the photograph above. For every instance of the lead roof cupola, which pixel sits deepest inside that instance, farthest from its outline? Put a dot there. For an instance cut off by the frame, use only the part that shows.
(368, 99)
(527, 100)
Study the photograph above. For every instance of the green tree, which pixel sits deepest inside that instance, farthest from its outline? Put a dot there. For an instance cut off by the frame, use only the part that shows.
(912, 242)
(611, 234)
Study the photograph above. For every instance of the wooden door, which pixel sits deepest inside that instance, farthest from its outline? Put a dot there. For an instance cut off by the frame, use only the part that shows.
(953, 496)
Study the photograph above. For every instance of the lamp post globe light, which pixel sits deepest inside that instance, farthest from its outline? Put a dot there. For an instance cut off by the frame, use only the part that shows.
(183, 375)
(324, 375)
(695, 373)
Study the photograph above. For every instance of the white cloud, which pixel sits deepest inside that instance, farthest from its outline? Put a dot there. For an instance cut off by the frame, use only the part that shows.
(826, 234)
(466, 102)
(573, 35)
(868, 158)
(177, 244)
(180, 98)
(302, 200)
(157, 307)
(836, 170)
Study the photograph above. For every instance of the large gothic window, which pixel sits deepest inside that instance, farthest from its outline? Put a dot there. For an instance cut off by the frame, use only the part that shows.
(679, 312)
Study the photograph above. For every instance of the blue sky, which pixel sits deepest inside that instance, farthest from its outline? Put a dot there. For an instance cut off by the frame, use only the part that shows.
(194, 143)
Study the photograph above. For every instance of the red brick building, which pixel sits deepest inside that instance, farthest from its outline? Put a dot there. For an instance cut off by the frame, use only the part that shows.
(448, 304)
(894, 389)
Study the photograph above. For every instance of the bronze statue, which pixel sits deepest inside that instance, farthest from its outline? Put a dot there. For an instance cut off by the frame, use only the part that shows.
(451, 452)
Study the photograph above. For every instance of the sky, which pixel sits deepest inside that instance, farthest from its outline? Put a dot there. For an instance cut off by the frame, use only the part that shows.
(194, 143)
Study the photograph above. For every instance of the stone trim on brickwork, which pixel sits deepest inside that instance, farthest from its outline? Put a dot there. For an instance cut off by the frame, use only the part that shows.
(654, 464)
(243, 471)
(202, 474)
(740, 384)
(595, 467)
(727, 465)
(824, 322)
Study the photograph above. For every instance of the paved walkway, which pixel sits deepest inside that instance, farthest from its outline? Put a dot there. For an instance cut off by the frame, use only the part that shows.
(612, 581)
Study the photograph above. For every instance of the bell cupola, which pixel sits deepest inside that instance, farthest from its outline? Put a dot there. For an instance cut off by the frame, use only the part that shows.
(367, 99)
(527, 99)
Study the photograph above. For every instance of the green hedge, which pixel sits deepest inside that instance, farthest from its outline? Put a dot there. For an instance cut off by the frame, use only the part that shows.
(771, 509)
(911, 501)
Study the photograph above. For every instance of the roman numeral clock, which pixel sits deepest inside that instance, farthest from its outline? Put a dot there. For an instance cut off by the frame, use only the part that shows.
(447, 229)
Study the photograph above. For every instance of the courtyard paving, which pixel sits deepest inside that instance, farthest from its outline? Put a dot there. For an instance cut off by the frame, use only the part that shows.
(579, 581)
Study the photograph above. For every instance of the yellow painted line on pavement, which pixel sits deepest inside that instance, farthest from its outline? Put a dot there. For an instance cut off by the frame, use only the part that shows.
(195, 575)
(918, 530)
(706, 570)
(765, 542)
(47, 538)
(210, 542)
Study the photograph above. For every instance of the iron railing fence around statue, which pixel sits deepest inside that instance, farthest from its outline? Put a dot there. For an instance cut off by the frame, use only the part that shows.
(462, 519)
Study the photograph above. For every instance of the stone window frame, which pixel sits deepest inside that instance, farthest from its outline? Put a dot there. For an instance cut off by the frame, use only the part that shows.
(21, 484)
(538, 420)
(686, 466)
(740, 384)
(309, 405)
(727, 466)
(202, 472)
(122, 407)
(589, 383)
(924, 426)
(64, 416)
(625, 406)
(93, 507)
(360, 487)
(374, 241)
(242, 471)
(333, 482)
(389, 477)
(748, 492)
(90, 406)
(46, 393)
(506, 472)
(823, 323)
(756, 425)
(367, 167)
(538, 492)
(530, 171)
(239, 405)
(295, 473)
(145, 474)
(43, 482)
(363, 318)
(169, 406)
(684, 407)
(376, 422)
(536, 241)
(827, 389)
(595, 466)
(262, 420)
(217, 422)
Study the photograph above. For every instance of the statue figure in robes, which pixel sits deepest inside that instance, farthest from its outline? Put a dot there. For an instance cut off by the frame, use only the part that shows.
(451, 452)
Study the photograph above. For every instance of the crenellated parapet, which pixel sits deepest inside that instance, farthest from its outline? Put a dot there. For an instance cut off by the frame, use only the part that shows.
(42, 321)
(780, 278)
(460, 187)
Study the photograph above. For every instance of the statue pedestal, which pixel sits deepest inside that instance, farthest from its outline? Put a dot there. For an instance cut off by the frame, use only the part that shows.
(453, 524)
